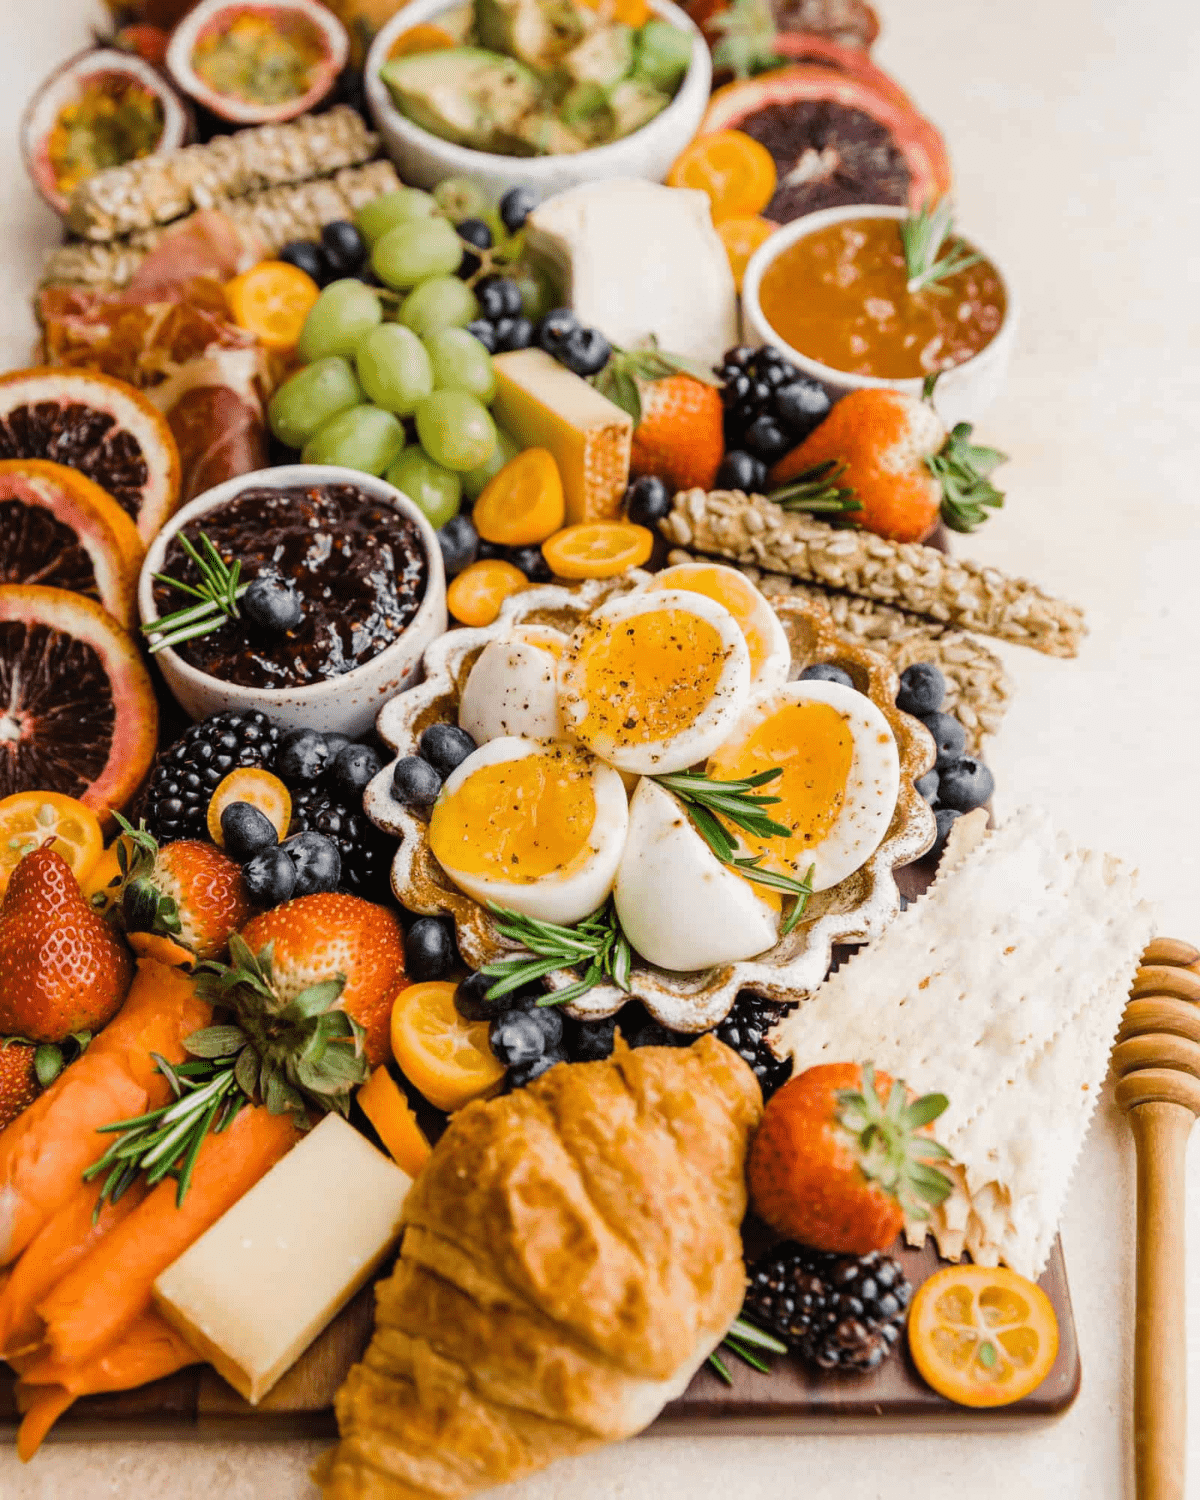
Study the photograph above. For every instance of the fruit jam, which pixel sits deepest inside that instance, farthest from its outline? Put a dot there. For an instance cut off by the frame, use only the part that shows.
(357, 565)
(840, 295)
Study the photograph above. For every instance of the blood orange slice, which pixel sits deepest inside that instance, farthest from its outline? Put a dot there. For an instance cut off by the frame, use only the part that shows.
(100, 426)
(59, 529)
(77, 708)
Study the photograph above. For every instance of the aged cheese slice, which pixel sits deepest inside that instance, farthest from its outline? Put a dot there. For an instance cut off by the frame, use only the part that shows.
(641, 260)
(544, 405)
(255, 1290)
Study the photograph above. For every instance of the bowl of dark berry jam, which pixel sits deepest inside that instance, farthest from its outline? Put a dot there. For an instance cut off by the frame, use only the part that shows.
(328, 586)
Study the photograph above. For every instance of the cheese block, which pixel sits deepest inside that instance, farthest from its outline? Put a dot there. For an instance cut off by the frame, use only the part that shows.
(638, 261)
(543, 405)
(255, 1290)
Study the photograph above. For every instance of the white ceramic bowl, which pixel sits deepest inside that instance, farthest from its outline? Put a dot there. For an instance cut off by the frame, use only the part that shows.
(962, 394)
(424, 159)
(348, 703)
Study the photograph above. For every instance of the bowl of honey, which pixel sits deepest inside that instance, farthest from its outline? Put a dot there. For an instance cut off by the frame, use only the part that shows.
(837, 293)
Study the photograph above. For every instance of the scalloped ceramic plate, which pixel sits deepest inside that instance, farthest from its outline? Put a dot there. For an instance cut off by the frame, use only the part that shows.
(853, 912)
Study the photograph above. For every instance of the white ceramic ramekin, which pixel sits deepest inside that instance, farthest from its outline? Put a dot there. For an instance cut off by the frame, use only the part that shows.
(424, 159)
(348, 703)
(963, 394)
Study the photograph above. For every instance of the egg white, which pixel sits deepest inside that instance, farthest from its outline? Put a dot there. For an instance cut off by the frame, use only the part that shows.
(679, 906)
(773, 669)
(512, 687)
(570, 894)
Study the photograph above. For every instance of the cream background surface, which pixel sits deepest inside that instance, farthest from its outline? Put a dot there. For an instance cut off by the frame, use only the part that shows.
(1072, 127)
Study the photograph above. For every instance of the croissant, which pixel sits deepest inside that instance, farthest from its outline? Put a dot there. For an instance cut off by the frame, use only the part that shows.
(571, 1256)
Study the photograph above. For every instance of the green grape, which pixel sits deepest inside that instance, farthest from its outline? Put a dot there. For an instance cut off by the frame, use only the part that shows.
(460, 362)
(413, 252)
(363, 438)
(310, 397)
(474, 480)
(340, 317)
(395, 368)
(433, 489)
(374, 219)
(459, 198)
(538, 291)
(440, 302)
(455, 430)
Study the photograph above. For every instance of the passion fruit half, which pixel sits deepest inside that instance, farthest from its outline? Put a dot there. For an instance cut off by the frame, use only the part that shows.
(77, 708)
(254, 62)
(100, 109)
(100, 426)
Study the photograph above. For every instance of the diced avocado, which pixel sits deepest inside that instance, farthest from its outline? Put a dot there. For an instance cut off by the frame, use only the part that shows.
(585, 109)
(538, 134)
(538, 33)
(633, 105)
(463, 94)
(604, 57)
(664, 53)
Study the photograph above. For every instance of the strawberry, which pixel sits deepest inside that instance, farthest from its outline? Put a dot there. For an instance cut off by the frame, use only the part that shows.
(677, 413)
(62, 969)
(891, 453)
(179, 903)
(316, 938)
(18, 1079)
(837, 1168)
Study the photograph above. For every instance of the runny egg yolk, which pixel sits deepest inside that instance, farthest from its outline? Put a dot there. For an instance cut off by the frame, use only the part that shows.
(517, 820)
(812, 745)
(646, 677)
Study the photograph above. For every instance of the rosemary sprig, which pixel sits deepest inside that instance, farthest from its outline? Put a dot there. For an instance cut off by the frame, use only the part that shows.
(817, 491)
(745, 1340)
(596, 942)
(218, 591)
(922, 235)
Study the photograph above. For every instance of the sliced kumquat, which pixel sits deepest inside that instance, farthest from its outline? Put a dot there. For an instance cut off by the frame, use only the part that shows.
(735, 170)
(982, 1335)
(272, 300)
(523, 503)
(384, 1104)
(444, 1056)
(29, 820)
(741, 237)
(598, 549)
(633, 13)
(260, 789)
(104, 881)
(475, 596)
(423, 38)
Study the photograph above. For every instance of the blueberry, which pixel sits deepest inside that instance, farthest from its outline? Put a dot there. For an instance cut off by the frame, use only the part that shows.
(475, 232)
(272, 605)
(353, 766)
(445, 747)
(308, 256)
(531, 562)
(499, 297)
(302, 756)
(459, 542)
(555, 328)
(525, 1073)
(948, 735)
(650, 1033)
(825, 671)
(741, 471)
(270, 878)
(592, 1041)
(584, 352)
(501, 329)
(801, 406)
(472, 1004)
(488, 550)
(922, 689)
(647, 501)
(335, 743)
(516, 1038)
(317, 862)
(550, 1019)
(469, 264)
(430, 951)
(766, 439)
(345, 249)
(965, 784)
(415, 783)
(740, 356)
(515, 207)
(943, 817)
(247, 831)
(518, 335)
(927, 785)
(484, 332)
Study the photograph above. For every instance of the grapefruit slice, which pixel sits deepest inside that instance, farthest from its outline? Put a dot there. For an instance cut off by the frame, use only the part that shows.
(77, 708)
(100, 426)
(59, 529)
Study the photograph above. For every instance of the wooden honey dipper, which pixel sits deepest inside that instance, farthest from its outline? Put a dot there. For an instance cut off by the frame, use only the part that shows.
(1157, 1064)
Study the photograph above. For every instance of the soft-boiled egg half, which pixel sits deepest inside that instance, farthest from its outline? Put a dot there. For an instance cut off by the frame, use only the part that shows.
(679, 906)
(532, 825)
(655, 680)
(839, 783)
(512, 687)
(770, 654)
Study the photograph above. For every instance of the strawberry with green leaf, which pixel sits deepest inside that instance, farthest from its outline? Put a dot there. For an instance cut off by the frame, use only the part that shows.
(677, 414)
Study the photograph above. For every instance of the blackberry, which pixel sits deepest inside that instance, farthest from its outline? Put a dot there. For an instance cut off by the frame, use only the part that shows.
(366, 851)
(769, 405)
(840, 1312)
(175, 802)
(745, 1030)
